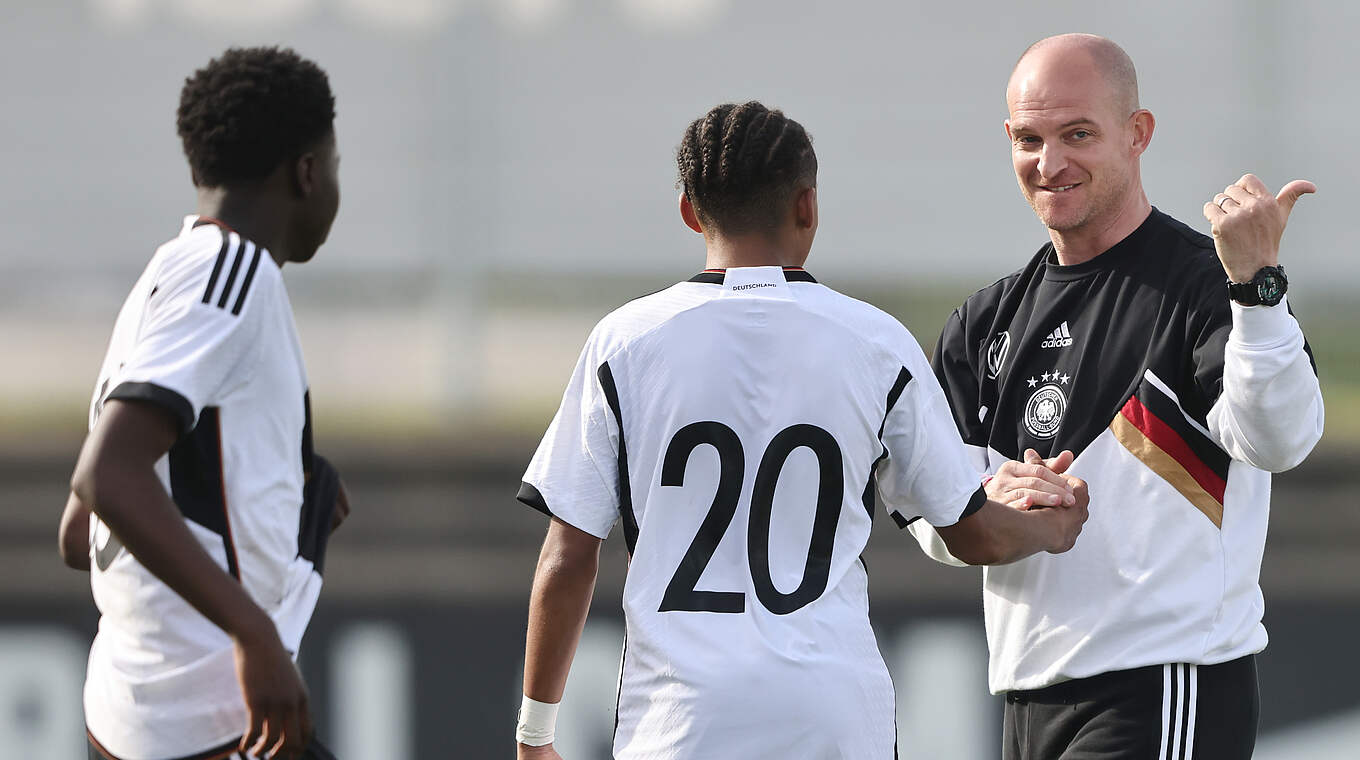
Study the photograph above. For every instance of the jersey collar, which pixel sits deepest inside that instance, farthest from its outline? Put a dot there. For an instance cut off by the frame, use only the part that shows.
(1116, 256)
(717, 276)
(194, 221)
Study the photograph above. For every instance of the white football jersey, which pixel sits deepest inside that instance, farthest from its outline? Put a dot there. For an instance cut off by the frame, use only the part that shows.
(207, 332)
(745, 426)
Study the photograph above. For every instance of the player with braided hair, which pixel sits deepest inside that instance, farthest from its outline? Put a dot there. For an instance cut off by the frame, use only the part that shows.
(745, 426)
(740, 166)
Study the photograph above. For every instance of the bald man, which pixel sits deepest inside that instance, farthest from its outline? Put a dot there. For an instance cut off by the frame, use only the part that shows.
(1164, 368)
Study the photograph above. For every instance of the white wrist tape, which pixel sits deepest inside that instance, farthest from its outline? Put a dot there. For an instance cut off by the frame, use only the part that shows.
(537, 722)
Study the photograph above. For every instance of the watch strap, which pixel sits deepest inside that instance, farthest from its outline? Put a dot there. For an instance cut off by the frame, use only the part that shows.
(1244, 293)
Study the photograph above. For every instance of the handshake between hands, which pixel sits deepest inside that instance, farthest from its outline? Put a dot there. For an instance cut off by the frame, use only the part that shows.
(1039, 483)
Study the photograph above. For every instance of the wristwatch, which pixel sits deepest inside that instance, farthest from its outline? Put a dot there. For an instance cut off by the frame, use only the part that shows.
(1266, 288)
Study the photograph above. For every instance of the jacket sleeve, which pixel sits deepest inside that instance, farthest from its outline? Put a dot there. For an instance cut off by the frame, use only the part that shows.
(1269, 412)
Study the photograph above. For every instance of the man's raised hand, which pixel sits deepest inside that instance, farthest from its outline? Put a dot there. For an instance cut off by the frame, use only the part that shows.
(1248, 222)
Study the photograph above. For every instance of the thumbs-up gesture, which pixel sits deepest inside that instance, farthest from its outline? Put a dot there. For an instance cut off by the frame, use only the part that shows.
(1248, 222)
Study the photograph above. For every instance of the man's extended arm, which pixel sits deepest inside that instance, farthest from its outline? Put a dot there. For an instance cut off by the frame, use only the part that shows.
(1270, 412)
(115, 477)
(563, 585)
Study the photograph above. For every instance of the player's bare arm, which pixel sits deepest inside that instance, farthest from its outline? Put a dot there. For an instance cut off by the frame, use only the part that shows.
(1248, 222)
(563, 586)
(998, 534)
(73, 536)
(116, 479)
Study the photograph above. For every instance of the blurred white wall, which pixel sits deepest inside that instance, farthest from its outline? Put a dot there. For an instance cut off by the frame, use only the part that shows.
(520, 138)
(533, 134)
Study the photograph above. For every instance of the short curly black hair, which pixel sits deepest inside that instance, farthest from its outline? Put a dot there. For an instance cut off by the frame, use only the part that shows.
(250, 110)
(741, 165)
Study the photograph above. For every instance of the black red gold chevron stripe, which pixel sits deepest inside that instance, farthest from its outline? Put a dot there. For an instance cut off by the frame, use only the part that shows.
(1154, 429)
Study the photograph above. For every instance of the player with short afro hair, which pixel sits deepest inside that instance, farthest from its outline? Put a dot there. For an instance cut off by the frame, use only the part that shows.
(208, 333)
(251, 109)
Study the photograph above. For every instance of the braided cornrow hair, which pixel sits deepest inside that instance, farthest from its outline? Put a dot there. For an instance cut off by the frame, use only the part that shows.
(741, 165)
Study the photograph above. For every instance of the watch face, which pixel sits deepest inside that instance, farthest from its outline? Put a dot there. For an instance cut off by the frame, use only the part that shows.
(1271, 288)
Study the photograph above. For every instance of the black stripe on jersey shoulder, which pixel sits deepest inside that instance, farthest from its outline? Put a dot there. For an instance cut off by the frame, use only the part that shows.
(198, 482)
(611, 394)
(899, 385)
(894, 393)
(217, 267)
(528, 494)
(231, 274)
(245, 284)
(237, 249)
(1169, 412)
(159, 395)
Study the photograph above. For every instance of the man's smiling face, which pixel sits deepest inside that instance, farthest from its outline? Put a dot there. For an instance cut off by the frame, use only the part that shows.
(1071, 141)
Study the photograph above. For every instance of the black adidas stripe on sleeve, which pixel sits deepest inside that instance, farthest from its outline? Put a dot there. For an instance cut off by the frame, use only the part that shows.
(241, 249)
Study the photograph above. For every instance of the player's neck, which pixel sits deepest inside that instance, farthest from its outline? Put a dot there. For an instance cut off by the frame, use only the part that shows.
(756, 250)
(1078, 246)
(253, 215)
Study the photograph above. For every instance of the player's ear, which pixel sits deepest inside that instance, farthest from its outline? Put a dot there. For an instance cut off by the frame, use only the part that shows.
(688, 214)
(1007, 125)
(304, 172)
(805, 209)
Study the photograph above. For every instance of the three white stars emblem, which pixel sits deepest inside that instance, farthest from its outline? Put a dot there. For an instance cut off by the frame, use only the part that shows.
(1050, 376)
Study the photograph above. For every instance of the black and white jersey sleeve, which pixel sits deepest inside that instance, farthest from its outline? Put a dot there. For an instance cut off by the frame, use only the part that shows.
(574, 475)
(196, 336)
(927, 471)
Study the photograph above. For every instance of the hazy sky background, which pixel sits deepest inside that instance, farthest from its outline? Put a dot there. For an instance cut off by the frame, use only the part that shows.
(532, 135)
